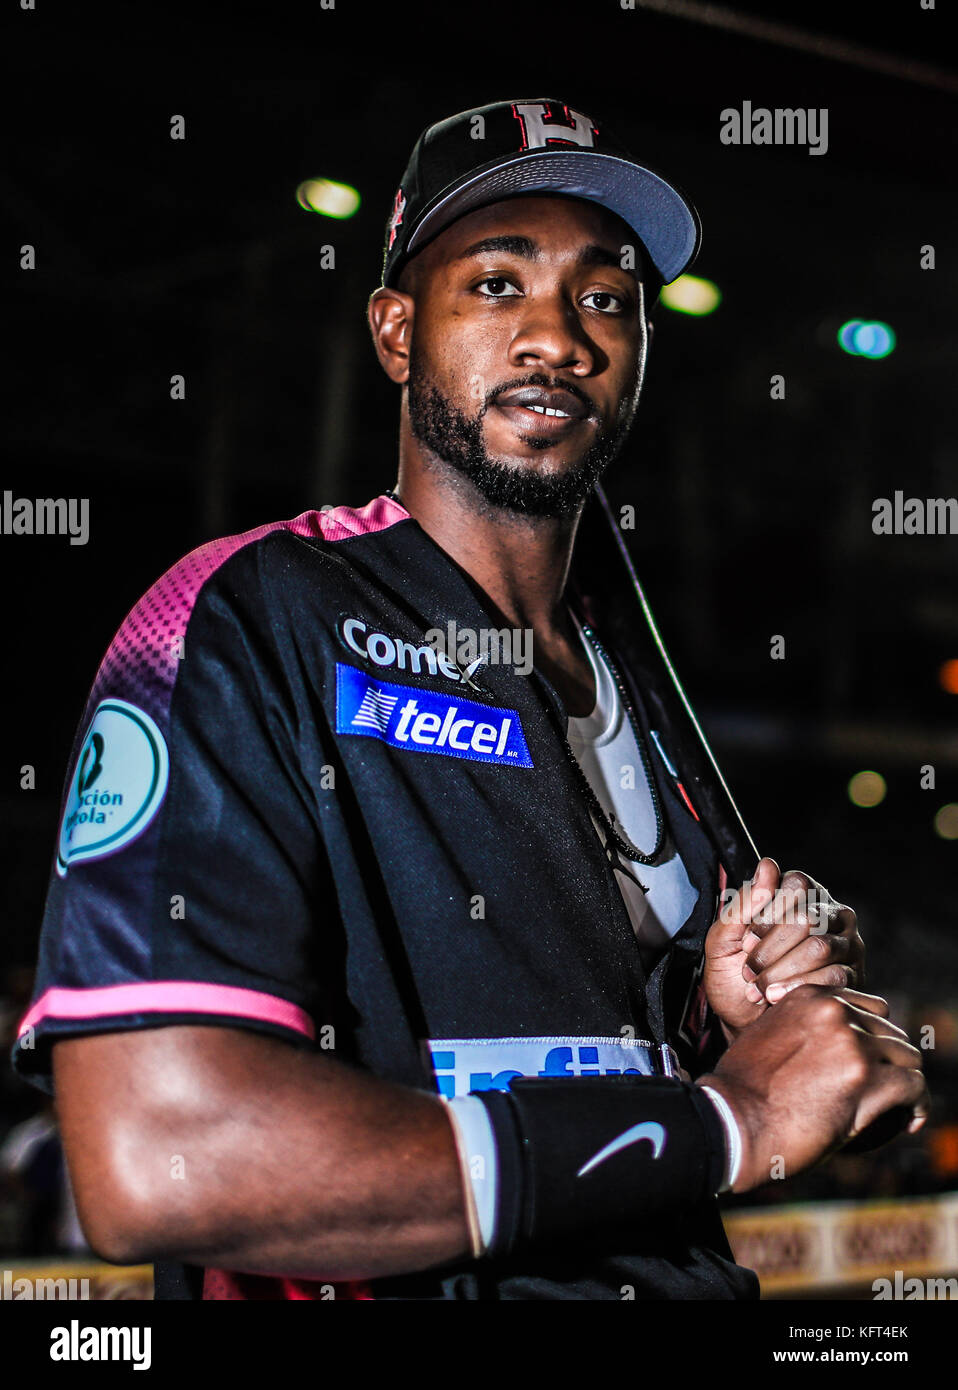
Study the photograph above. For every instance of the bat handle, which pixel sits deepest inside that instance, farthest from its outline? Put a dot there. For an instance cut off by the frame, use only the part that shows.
(741, 859)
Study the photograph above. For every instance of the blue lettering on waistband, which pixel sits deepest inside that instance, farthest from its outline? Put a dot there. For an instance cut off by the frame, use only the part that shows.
(462, 1065)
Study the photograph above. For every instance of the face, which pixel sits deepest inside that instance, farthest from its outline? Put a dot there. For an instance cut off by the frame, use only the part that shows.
(527, 350)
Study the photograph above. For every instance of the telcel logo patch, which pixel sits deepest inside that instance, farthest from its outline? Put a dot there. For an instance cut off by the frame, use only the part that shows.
(426, 721)
(462, 1065)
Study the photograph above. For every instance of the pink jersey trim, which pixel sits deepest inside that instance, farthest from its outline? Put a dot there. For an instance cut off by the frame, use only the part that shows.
(166, 996)
(340, 523)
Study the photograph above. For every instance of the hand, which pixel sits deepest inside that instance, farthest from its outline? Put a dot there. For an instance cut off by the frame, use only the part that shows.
(813, 1073)
(777, 932)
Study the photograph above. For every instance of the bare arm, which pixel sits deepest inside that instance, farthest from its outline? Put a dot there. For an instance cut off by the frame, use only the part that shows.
(292, 1163)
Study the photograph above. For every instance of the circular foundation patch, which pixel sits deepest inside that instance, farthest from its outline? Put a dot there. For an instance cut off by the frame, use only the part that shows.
(117, 785)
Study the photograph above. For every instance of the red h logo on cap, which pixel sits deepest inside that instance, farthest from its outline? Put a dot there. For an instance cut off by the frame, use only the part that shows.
(540, 127)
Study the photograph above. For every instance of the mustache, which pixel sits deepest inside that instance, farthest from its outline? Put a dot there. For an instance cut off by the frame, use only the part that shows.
(540, 379)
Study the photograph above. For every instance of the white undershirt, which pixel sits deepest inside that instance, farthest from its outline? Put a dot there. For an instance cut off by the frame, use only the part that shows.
(606, 750)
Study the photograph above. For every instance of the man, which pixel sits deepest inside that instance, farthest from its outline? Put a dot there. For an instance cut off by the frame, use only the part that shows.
(320, 860)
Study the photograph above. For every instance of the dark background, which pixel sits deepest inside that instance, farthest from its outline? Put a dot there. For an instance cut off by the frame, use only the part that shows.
(157, 257)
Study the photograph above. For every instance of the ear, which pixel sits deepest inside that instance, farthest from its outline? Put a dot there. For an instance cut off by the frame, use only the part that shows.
(390, 314)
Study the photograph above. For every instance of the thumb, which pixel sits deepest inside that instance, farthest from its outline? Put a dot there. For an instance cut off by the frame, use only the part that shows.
(746, 902)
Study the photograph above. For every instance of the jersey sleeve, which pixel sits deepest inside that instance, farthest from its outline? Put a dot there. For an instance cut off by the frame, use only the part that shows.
(190, 881)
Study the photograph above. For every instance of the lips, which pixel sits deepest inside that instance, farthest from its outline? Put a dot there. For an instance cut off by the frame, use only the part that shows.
(538, 412)
(544, 403)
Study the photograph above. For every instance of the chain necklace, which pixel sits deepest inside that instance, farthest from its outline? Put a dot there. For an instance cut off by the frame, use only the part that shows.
(619, 838)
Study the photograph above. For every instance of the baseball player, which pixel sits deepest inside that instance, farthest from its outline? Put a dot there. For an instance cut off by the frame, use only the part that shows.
(377, 966)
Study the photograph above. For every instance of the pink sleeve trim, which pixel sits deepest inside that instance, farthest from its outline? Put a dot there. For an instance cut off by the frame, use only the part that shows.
(167, 996)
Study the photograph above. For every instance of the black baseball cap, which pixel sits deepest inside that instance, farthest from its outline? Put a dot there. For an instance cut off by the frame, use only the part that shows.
(510, 148)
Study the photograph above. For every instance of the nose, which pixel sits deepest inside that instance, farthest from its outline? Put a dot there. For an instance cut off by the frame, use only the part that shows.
(551, 334)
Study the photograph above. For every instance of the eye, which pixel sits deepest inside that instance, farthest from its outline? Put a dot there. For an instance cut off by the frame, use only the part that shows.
(612, 303)
(501, 287)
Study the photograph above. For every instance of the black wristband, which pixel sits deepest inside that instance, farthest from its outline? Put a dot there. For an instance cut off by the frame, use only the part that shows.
(602, 1162)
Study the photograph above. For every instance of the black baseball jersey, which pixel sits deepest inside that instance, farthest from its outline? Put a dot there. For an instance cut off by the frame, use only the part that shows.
(288, 810)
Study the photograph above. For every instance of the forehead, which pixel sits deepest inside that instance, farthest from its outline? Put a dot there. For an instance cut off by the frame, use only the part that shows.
(560, 226)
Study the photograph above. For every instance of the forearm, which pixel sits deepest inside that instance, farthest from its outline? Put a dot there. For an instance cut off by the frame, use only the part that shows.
(268, 1160)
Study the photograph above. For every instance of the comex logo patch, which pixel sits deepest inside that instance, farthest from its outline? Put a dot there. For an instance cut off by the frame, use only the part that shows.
(387, 652)
(426, 721)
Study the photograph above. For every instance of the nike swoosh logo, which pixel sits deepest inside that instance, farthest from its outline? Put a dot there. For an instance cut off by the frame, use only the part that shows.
(648, 1130)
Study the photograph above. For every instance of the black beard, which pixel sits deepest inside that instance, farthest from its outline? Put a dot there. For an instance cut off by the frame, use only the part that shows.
(456, 440)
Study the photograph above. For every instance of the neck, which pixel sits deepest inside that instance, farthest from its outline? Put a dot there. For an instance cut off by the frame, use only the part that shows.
(521, 563)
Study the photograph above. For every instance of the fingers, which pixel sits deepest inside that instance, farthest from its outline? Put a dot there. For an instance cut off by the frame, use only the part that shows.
(800, 899)
(725, 938)
(790, 956)
(872, 1002)
(801, 936)
(893, 1086)
(877, 1025)
(896, 1078)
(775, 941)
(921, 1109)
(896, 1051)
(847, 919)
(830, 976)
(752, 896)
(771, 897)
(791, 931)
(867, 1012)
(785, 904)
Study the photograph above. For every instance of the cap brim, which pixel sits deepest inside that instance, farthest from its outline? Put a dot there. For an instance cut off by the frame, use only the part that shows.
(665, 223)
